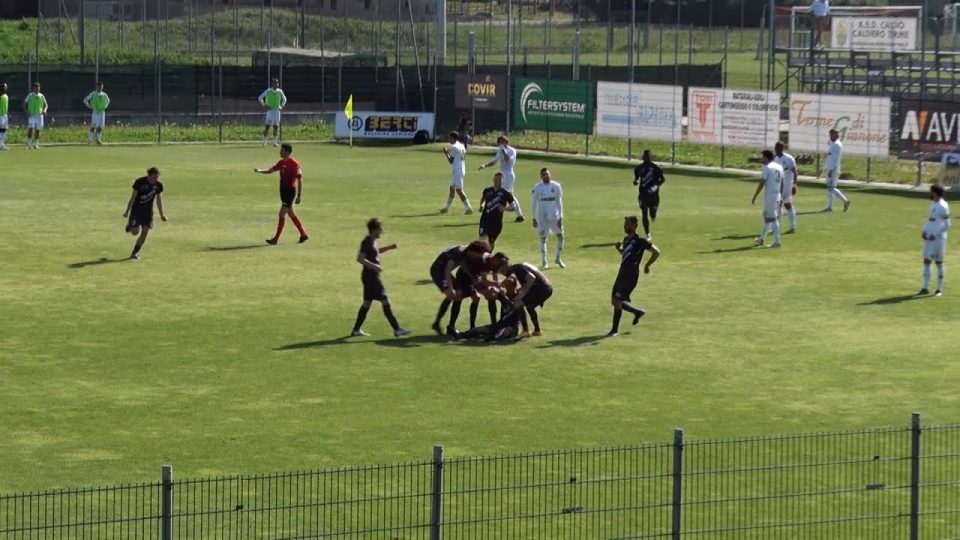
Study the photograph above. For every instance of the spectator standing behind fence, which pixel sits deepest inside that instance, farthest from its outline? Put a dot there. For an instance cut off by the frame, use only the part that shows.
(97, 101)
(834, 161)
(820, 10)
(274, 100)
(35, 105)
(4, 111)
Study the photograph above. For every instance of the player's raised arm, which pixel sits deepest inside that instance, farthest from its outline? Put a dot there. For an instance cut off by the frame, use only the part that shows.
(654, 255)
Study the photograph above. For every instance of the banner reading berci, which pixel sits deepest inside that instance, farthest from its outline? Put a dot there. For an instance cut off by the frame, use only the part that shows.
(643, 111)
(733, 117)
(544, 104)
(382, 125)
(863, 123)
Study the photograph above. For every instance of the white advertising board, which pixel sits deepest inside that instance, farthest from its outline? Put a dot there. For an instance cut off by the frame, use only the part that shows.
(874, 33)
(863, 123)
(639, 111)
(382, 125)
(733, 117)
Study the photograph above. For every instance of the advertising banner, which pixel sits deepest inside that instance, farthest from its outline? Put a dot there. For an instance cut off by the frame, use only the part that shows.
(874, 33)
(733, 117)
(545, 104)
(382, 125)
(488, 92)
(863, 123)
(639, 111)
(927, 128)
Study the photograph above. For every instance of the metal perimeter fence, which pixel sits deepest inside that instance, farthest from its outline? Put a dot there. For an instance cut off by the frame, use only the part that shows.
(881, 483)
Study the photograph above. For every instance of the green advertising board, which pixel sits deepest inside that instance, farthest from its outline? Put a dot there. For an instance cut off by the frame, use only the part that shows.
(550, 105)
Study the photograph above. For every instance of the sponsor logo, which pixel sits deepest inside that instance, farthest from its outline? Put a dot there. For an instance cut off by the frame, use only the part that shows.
(531, 100)
(385, 124)
(934, 127)
(703, 102)
(851, 127)
(482, 89)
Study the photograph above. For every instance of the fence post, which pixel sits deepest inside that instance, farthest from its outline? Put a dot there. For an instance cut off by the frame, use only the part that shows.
(915, 476)
(675, 528)
(436, 500)
(166, 513)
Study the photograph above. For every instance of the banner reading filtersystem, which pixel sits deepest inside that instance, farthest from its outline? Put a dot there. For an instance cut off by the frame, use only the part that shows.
(551, 105)
(733, 117)
(382, 125)
(863, 123)
(639, 111)
(874, 33)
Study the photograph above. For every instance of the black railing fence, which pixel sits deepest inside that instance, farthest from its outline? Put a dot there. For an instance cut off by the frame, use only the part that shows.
(877, 484)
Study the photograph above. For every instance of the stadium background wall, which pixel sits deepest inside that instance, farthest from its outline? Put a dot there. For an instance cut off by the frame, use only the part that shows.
(193, 91)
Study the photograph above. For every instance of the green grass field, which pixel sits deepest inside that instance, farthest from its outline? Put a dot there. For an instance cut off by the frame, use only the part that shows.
(221, 355)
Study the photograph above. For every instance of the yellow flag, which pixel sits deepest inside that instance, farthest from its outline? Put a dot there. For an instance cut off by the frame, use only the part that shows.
(348, 110)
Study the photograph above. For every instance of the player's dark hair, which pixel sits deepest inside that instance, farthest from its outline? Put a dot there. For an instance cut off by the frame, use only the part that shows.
(99, 83)
(496, 174)
(767, 154)
(287, 146)
(478, 246)
(500, 258)
(631, 219)
(779, 145)
(153, 170)
(275, 80)
(3, 88)
(647, 155)
(543, 170)
(373, 224)
(36, 83)
(504, 139)
(454, 135)
(937, 190)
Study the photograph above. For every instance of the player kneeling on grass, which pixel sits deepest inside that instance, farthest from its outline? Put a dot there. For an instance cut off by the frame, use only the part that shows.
(535, 288)
(140, 207)
(507, 326)
(631, 252)
(473, 255)
(373, 289)
(291, 188)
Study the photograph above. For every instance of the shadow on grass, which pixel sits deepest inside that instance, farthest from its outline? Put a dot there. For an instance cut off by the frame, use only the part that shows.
(408, 216)
(471, 224)
(729, 250)
(343, 340)
(892, 300)
(574, 342)
(735, 237)
(96, 262)
(423, 282)
(601, 245)
(410, 342)
(235, 248)
(812, 213)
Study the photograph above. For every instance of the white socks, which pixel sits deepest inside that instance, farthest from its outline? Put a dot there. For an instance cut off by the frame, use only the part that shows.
(90, 136)
(926, 276)
(559, 246)
(516, 207)
(792, 212)
(940, 271)
(776, 231)
(449, 202)
(543, 248)
(466, 204)
(764, 231)
(831, 192)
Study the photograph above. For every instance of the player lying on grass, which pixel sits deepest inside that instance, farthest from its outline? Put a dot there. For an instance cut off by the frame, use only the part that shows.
(511, 318)
(535, 288)
(473, 257)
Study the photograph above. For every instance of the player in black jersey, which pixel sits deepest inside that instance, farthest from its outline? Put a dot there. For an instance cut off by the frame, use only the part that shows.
(506, 327)
(535, 288)
(494, 201)
(631, 251)
(649, 177)
(373, 289)
(472, 258)
(139, 210)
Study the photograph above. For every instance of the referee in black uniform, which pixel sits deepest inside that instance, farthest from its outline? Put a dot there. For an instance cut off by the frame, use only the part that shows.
(649, 177)
(631, 251)
(373, 289)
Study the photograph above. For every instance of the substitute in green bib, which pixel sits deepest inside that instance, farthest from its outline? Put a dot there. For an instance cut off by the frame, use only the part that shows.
(97, 101)
(35, 105)
(274, 100)
(4, 110)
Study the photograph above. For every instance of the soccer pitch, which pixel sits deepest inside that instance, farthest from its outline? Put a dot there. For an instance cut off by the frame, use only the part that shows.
(219, 354)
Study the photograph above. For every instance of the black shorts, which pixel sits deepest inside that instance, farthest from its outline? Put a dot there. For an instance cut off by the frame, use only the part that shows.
(649, 200)
(438, 276)
(538, 296)
(288, 194)
(491, 228)
(463, 282)
(373, 288)
(624, 285)
(142, 217)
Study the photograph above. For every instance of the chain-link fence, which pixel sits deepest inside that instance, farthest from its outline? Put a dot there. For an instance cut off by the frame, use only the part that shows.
(897, 483)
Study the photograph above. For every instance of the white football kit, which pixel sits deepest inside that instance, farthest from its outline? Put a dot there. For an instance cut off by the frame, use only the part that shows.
(938, 221)
(458, 167)
(772, 179)
(547, 207)
(507, 157)
(834, 157)
(789, 165)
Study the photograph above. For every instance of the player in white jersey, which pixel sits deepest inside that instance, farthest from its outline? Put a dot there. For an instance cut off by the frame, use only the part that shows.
(507, 157)
(834, 159)
(457, 156)
(547, 210)
(935, 239)
(770, 180)
(789, 187)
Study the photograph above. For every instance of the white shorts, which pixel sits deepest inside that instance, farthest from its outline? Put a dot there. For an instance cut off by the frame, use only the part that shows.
(935, 250)
(832, 180)
(786, 193)
(3, 122)
(35, 121)
(548, 227)
(273, 118)
(508, 180)
(98, 119)
(456, 181)
(770, 211)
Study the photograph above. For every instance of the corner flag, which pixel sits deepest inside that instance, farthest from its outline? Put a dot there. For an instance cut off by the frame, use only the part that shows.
(348, 111)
